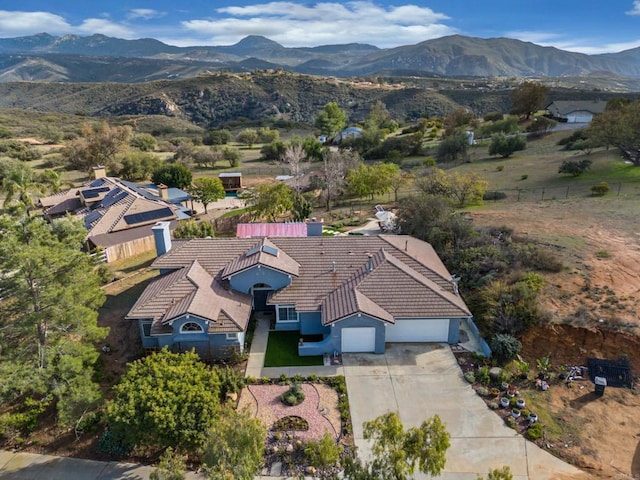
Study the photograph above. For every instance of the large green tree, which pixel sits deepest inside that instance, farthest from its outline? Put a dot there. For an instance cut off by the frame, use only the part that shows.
(172, 175)
(370, 180)
(506, 145)
(235, 446)
(137, 166)
(192, 229)
(271, 200)
(331, 120)
(97, 145)
(619, 126)
(48, 314)
(206, 190)
(399, 453)
(165, 400)
(528, 97)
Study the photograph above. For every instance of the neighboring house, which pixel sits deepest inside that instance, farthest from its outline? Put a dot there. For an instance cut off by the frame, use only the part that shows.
(118, 214)
(348, 133)
(358, 292)
(579, 111)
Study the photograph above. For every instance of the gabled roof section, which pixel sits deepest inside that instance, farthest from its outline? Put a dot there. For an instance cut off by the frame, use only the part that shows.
(192, 291)
(265, 253)
(368, 292)
(565, 107)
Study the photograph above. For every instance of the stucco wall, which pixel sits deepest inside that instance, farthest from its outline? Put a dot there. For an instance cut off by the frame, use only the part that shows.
(243, 281)
(311, 323)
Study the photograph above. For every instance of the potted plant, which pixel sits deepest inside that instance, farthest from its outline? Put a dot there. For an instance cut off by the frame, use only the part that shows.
(504, 402)
(512, 391)
(515, 412)
(520, 403)
(533, 418)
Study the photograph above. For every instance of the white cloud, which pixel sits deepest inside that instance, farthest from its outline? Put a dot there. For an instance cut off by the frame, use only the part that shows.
(16, 23)
(635, 8)
(589, 46)
(295, 25)
(144, 13)
(104, 26)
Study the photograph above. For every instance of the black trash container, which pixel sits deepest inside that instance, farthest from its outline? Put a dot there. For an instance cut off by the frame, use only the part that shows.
(601, 384)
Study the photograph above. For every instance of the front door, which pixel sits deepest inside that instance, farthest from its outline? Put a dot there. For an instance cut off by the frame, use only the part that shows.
(260, 300)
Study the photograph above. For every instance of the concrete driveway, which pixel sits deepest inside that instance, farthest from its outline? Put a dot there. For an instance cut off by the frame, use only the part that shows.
(419, 381)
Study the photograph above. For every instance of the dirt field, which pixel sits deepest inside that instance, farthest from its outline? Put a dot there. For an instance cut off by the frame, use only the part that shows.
(594, 304)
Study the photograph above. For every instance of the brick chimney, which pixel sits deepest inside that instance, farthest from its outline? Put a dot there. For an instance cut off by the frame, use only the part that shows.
(163, 190)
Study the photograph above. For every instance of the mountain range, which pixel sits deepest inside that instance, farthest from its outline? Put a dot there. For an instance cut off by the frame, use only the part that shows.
(98, 58)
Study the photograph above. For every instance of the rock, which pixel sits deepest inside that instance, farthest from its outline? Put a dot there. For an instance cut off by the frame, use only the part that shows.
(232, 396)
(495, 373)
(310, 470)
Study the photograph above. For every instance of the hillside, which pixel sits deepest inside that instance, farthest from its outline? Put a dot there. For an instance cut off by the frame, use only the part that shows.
(73, 58)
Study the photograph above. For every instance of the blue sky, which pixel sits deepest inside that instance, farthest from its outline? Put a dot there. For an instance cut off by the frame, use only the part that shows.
(588, 26)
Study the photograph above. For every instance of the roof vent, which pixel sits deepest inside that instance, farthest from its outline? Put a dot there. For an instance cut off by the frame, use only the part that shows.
(369, 262)
(333, 266)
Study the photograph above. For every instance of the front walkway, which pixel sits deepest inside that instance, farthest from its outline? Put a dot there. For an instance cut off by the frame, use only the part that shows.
(255, 363)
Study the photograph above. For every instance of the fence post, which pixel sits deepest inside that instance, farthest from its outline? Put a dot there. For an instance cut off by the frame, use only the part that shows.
(567, 195)
(518, 195)
(542, 194)
(619, 188)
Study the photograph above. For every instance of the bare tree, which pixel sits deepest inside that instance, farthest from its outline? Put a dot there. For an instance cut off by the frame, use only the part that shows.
(295, 157)
(334, 168)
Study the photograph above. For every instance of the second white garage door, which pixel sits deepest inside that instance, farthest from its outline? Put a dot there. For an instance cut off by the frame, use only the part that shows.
(361, 339)
(419, 330)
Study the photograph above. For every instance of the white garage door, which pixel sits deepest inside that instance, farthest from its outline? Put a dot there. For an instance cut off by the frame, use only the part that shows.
(419, 330)
(362, 339)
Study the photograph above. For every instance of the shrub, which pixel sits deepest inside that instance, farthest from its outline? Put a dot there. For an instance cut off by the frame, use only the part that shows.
(470, 377)
(230, 381)
(533, 281)
(524, 176)
(575, 168)
(499, 168)
(505, 346)
(294, 395)
(483, 376)
(510, 421)
(113, 445)
(483, 391)
(534, 432)
(600, 189)
(494, 195)
(494, 405)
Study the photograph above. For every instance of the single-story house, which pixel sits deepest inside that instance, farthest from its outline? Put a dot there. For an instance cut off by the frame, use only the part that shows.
(118, 214)
(357, 292)
(349, 133)
(578, 111)
(231, 181)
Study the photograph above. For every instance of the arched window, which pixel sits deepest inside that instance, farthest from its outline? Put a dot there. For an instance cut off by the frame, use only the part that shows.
(191, 327)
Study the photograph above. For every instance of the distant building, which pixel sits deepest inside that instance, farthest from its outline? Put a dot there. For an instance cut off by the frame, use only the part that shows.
(348, 133)
(231, 181)
(117, 214)
(581, 111)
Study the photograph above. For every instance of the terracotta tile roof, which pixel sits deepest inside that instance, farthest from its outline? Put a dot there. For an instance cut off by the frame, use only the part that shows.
(333, 273)
(368, 292)
(565, 107)
(263, 253)
(192, 291)
(56, 198)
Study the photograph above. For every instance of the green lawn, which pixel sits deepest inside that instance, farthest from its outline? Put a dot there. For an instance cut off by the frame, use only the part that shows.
(282, 351)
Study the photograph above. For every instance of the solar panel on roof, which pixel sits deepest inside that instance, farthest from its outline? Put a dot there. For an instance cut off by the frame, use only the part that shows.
(270, 250)
(94, 192)
(144, 217)
(253, 251)
(115, 196)
(92, 217)
(97, 182)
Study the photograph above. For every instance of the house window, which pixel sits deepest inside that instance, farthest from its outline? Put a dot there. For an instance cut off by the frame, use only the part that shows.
(287, 313)
(191, 327)
(232, 336)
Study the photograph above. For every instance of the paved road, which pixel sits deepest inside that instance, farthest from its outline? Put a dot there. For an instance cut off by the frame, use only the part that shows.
(420, 381)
